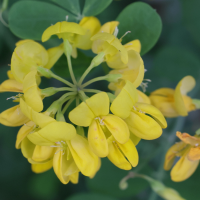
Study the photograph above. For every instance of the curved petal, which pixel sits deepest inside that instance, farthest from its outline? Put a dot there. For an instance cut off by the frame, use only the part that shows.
(99, 104)
(42, 153)
(43, 167)
(31, 92)
(40, 119)
(81, 115)
(187, 84)
(188, 139)
(123, 103)
(54, 54)
(143, 126)
(63, 168)
(183, 169)
(85, 159)
(116, 156)
(97, 140)
(10, 75)
(154, 112)
(133, 45)
(143, 98)
(92, 26)
(130, 152)
(23, 132)
(74, 177)
(109, 27)
(27, 148)
(62, 27)
(134, 139)
(194, 154)
(27, 56)
(171, 154)
(117, 127)
(13, 117)
(53, 133)
(11, 85)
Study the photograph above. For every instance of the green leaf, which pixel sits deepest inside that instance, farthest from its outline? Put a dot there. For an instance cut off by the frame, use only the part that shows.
(143, 22)
(90, 196)
(80, 64)
(71, 6)
(175, 63)
(108, 178)
(94, 7)
(29, 19)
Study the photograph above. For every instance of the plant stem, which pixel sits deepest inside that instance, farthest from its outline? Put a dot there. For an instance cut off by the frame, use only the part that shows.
(62, 80)
(94, 80)
(77, 101)
(91, 90)
(85, 73)
(68, 104)
(70, 69)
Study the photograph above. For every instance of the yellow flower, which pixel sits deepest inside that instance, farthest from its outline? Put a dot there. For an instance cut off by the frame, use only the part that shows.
(126, 106)
(94, 112)
(189, 152)
(27, 56)
(173, 103)
(124, 155)
(73, 151)
(31, 91)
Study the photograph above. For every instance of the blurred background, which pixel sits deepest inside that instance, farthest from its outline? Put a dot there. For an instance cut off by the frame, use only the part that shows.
(175, 55)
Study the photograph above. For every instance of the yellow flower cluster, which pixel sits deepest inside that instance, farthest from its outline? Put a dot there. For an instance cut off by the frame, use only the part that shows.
(107, 125)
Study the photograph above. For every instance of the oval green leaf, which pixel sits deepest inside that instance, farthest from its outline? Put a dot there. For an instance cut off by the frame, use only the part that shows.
(143, 22)
(94, 7)
(29, 19)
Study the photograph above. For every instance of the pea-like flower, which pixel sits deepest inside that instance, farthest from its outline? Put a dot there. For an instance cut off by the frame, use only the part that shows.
(94, 112)
(173, 103)
(143, 120)
(189, 152)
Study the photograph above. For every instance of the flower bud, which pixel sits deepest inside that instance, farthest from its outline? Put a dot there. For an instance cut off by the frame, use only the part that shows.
(98, 59)
(113, 77)
(123, 185)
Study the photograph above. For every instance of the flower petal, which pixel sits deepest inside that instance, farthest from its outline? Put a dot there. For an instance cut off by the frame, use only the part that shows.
(54, 54)
(130, 152)
(27, 148)
(11, 85)
(42, 153)
(117, 127)
(171, 154)
(143, 98)
(40, 119)
(99, 104)
(52, 133)
(97, 140)
(134, 139)
(23, 132)
(13, 117)
(133, 45)
(81, 115)
(116, 156)
(194, 154)
(109, 27)
(123, 103)
(154, 112)
(43, 167)
(85, 159)
(143, 126)
(31, 92)
(188, 139)
(74, 177)
(183, 169)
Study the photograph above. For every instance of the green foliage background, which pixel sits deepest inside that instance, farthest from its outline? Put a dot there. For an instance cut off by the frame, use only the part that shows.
(175, 55)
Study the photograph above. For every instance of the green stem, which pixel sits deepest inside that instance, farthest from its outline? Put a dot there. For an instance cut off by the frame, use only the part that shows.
(91, 90)
(67, 105)
(94, 80)
(82, 95)
(77, 101)
(70, 69)
(62, 80)
(86, 73)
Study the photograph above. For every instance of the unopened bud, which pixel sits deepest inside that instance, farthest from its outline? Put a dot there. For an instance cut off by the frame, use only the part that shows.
(44, 72)
(123, 185)
(98, 59)
(113, 77)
